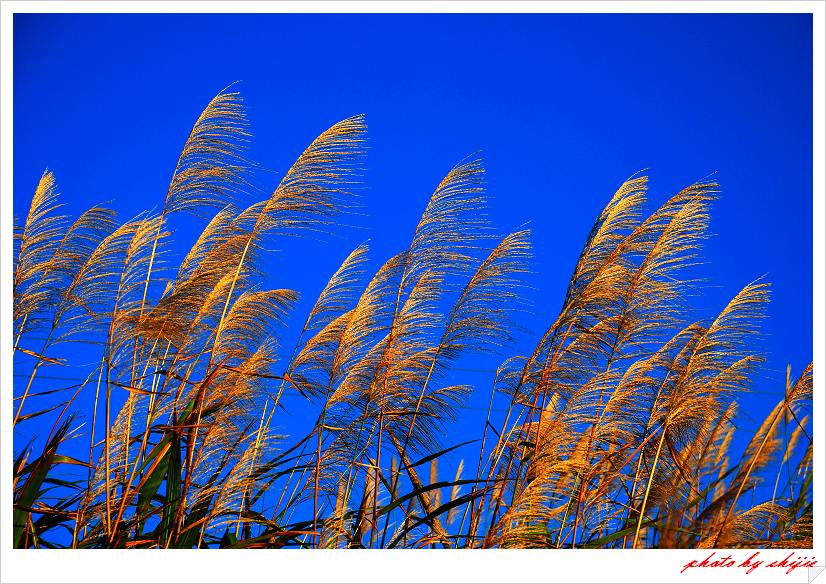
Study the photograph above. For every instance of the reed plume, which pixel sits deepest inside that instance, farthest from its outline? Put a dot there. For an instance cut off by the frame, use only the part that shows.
(618, 428)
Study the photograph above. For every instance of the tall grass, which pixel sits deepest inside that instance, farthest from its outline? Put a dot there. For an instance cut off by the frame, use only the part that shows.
(618, 428)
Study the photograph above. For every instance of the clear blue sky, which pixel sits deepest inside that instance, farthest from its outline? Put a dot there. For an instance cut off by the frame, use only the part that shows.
(563, 108)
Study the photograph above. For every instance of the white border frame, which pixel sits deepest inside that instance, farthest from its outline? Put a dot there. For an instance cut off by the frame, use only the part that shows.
(492, 566)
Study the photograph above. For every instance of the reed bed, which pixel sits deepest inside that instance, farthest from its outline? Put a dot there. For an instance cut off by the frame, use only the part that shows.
(619, 424)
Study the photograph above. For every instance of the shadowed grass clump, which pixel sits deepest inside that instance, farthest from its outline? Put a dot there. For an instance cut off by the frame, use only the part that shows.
(617, 428)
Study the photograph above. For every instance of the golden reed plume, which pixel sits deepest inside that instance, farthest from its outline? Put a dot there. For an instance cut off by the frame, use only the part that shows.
(617, 430)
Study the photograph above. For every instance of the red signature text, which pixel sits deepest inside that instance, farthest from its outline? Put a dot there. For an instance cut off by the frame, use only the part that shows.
(790, 563)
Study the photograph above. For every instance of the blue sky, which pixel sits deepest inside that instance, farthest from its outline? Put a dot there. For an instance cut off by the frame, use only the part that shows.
(562, 107)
